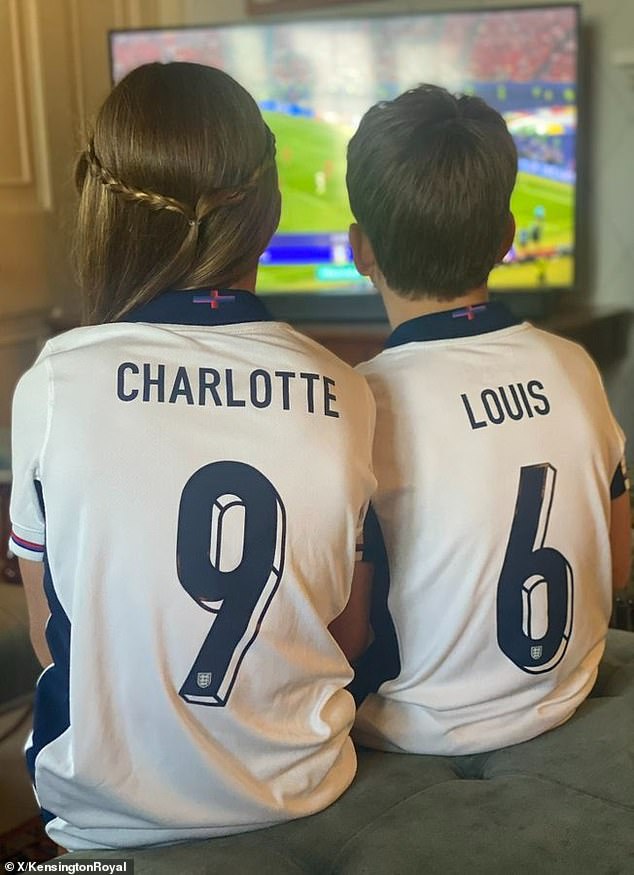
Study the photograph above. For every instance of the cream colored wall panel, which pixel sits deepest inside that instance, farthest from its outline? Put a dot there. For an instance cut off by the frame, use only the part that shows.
(34, 243)
(20, 341)
(136, 13)
(37, 76)
(24, 280)
(35, 57)
(121, 12)
(15, 165)
(147, 13)
(171, 11)
(204, 12)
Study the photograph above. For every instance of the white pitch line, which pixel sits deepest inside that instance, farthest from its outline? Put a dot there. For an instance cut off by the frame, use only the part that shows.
(547, 194)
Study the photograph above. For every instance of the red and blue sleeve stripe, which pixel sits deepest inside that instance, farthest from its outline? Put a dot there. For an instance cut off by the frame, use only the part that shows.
(31, 546)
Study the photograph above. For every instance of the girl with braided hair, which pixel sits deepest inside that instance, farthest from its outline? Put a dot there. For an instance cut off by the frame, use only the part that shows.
(178, 189)
(190, 478)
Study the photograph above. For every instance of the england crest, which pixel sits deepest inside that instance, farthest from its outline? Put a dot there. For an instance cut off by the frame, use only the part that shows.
(536, 651)
(203, 679)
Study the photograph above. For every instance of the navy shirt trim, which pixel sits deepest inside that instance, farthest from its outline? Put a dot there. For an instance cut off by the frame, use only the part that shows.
(382, 660)
(201, 307)
(619, 484)
(449, 324)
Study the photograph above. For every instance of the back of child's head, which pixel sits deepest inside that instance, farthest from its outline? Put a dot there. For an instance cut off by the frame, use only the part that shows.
(178, 188)
(430, 178)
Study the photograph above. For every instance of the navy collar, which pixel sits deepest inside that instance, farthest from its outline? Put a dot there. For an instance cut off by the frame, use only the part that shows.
(201, 307)
(449, 324)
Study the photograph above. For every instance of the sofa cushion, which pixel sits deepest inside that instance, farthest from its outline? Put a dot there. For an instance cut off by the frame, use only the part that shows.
(560, 803)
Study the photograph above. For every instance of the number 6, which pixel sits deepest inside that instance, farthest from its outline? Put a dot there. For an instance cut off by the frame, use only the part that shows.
(531, 570)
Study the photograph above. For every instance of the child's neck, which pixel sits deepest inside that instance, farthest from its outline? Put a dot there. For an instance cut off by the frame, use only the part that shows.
(401, 310)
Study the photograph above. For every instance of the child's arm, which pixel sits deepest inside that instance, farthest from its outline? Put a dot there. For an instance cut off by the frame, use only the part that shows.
(621, 541)
(351, 629)
(33, 580)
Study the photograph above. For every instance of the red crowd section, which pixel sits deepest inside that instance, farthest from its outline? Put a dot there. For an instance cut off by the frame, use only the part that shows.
(522, 48)
(513, 46)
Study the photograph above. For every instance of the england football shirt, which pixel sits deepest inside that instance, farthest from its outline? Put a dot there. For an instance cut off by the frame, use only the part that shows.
(195, 478)
(495, 454)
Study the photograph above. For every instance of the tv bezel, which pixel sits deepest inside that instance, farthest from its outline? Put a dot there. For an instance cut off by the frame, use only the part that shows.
(342, 306)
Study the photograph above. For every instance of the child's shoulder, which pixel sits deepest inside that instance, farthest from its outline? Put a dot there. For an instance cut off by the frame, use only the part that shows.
(82, 337)
(313, 348)
(551, 349)
(562, 352)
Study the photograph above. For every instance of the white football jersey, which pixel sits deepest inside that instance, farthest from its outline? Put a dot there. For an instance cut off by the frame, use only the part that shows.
(495, 450)
(195, 478)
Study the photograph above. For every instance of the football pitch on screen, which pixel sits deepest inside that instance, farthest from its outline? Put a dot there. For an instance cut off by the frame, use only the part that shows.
(311, 158)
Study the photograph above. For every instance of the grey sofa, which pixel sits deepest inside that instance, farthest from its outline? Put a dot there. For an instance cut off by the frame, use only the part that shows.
(561, 803)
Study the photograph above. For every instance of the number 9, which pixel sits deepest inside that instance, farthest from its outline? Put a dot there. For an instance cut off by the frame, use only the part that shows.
(223, 504)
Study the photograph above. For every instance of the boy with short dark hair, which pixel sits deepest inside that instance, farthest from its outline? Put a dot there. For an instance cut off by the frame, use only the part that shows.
(501, 498)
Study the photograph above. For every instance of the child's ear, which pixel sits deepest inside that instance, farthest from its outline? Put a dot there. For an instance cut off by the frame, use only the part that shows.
(507, 240)
(362, 251)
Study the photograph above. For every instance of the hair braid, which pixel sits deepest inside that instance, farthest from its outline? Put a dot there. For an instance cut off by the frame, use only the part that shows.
(222, 197)
(205, 205)
(127, 192)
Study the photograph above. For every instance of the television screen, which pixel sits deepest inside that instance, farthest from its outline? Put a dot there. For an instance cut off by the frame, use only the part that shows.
(313, 80)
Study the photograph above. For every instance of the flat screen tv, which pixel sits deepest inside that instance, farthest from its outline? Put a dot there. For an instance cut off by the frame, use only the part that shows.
(314, 78)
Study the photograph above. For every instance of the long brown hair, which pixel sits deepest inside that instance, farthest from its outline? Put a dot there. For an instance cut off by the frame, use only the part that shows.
(178, 188)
